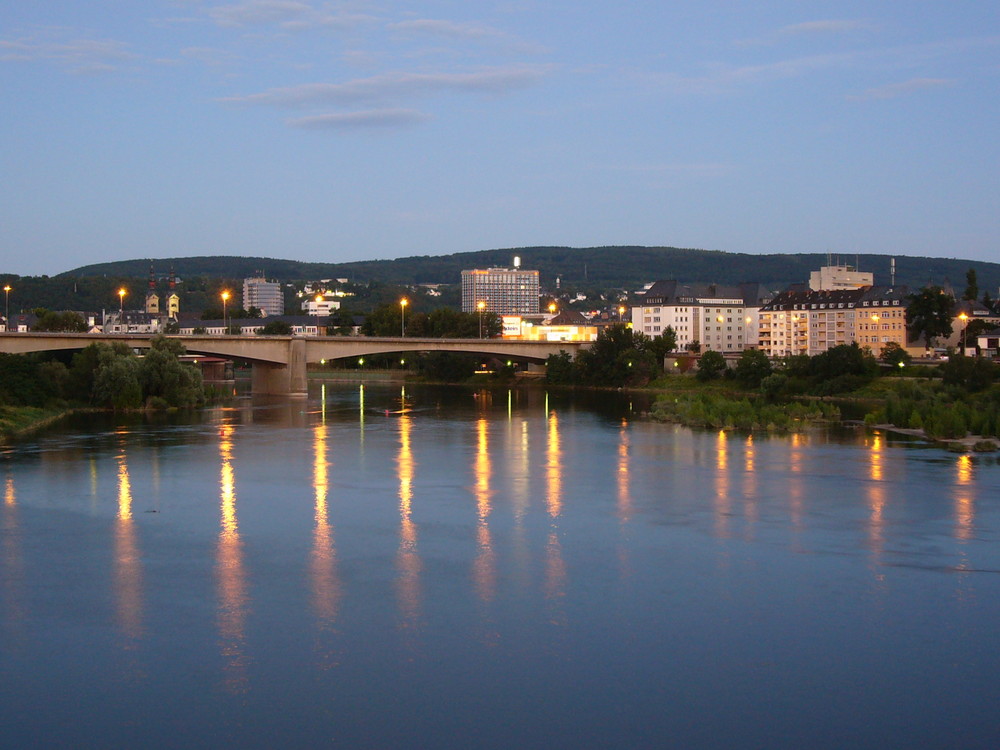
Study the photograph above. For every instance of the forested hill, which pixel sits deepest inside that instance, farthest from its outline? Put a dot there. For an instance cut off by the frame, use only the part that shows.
(625, 267)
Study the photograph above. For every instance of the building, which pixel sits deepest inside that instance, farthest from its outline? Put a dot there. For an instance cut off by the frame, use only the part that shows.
(880, 319)
(265, 295)
(833, 278)
(711, 316)
(567, 325)
(301, 325)
(133, 321)
(321, 304)
(503, 291)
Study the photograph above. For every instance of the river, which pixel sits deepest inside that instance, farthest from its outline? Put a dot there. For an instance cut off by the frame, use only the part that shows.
(386, 566)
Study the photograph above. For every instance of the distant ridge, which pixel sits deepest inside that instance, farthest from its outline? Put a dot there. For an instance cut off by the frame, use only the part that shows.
(627, 267)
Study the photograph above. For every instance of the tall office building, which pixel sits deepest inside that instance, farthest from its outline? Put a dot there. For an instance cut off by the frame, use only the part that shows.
(265, 295)
(504, 291)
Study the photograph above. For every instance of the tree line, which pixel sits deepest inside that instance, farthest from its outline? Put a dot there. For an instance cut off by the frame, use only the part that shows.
(102, 375)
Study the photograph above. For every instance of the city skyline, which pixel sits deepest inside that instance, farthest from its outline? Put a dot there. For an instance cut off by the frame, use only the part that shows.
(337, 132)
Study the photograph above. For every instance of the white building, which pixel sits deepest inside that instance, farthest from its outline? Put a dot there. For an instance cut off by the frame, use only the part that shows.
(320, 304)
(717, 317)
(265, 295)
(832, 278)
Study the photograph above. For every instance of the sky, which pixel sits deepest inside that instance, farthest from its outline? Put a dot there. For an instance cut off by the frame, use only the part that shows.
(340, 131)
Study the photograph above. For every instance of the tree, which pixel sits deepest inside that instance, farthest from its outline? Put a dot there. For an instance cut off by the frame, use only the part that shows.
(660, 346)
(711, 365)
(69, 322)
(163, 376)
(971, 285)
(560, 369)
(276, 328)
(617, 357)
(928, 314)
(894, 355)
(753, 366)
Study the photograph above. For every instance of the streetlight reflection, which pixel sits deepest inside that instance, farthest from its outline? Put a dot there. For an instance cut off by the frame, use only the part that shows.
(326, 588)
(408, 563)
(484, 567)
(230, 575)
(128, 566)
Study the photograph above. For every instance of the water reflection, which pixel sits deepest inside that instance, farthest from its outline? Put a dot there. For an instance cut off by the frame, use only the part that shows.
(624, 494)
(553, 467)
(408, 564)
(555, 567)
(12, 572)
(128, 566)
(325, 582)
(484, 566)
(876, 505)
(964, 507)
(230, 574)
(723, 508)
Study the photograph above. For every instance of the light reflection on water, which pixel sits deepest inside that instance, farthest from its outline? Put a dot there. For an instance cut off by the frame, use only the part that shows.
(381, 562)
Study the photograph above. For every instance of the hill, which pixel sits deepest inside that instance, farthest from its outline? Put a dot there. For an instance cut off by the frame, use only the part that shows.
(627, 267)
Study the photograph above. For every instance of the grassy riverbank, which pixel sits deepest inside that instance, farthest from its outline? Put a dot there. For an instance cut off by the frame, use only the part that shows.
(20, 420)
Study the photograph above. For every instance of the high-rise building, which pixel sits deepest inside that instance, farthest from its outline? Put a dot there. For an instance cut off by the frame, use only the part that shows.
(265, 295)
(504, 291)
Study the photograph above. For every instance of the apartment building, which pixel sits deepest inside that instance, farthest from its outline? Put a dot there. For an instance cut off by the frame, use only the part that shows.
(718, 317)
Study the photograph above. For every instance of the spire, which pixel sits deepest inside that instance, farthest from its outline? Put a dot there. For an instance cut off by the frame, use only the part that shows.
(152, 277)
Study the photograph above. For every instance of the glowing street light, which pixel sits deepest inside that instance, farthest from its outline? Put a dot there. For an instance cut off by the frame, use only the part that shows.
(481, 306)
(552, 308)
(402, 316)
(621, 313)
(225, 299)
(6, 315)
(964, 318)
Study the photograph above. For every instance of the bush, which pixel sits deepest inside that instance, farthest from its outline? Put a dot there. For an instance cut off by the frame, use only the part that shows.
(710, 366)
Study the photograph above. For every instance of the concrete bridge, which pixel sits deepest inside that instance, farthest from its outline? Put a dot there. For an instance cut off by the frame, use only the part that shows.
(279, 362)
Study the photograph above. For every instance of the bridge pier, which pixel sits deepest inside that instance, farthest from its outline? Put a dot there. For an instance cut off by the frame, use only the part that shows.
(282, 380)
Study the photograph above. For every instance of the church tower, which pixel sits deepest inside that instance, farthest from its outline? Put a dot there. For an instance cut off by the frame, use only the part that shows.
(173, 299)
(152, 298)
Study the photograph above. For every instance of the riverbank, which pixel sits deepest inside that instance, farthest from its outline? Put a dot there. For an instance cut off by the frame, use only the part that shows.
(17, 421)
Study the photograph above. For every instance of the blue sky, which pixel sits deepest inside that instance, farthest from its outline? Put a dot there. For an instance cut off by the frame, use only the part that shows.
(336, 131)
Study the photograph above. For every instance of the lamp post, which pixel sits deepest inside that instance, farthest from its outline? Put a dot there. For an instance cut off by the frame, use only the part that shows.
(621, 313)
(480, 306)
(964, 318)
(402, 316)
(6, 300)
(121, 309)
(225, 321)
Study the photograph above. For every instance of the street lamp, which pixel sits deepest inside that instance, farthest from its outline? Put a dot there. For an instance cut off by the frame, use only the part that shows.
(225, 299)
(402, 316)
(552, 308)
(621, 313)
(964, 318)
(481, 306)
(121, 307)
(6, 315)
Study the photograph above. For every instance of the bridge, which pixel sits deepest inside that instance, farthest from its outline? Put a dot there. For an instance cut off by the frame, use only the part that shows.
(278, 363)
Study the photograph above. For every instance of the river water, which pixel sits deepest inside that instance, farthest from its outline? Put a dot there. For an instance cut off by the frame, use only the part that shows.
(380, 566)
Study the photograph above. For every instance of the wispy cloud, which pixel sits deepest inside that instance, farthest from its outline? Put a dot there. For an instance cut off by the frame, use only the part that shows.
(693, 169)
(721, 78)
(365, 120)
(827, 26)
(472, 32)
(893, 90)
(395, 85)
(76, 55)
(448, 29)
(290, 15)
(806, 28)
